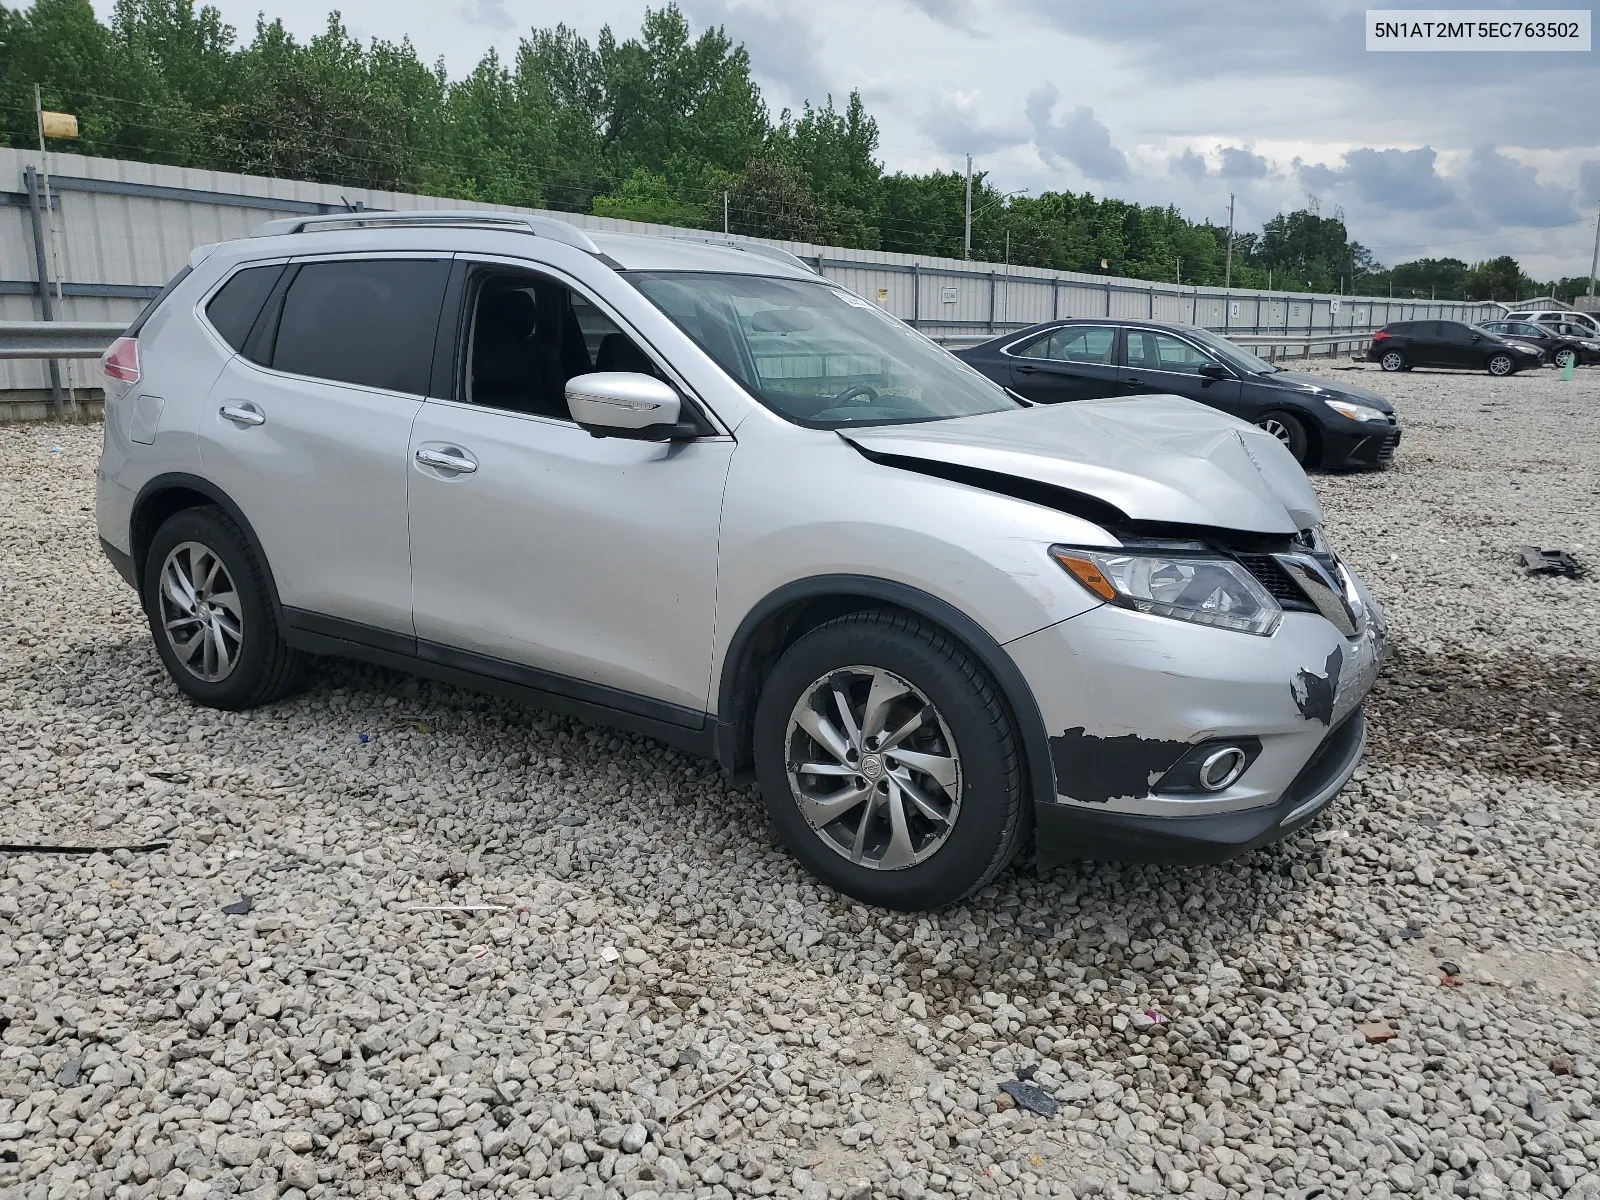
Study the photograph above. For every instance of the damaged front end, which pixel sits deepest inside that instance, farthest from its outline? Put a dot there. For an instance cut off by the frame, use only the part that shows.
(1195, 739)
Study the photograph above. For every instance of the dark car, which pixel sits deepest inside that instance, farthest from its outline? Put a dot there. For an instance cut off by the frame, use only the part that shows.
(1321, 422)
(1405, 344)
(1562, 344)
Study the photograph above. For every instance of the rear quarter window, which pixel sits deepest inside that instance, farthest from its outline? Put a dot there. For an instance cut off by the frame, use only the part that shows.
(234, 309)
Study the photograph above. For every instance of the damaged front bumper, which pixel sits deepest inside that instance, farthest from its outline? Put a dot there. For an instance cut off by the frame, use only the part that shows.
(1127, 697)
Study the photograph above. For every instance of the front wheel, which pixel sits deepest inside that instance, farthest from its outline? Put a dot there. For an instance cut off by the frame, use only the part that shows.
(211, 615)
(889, 762)
(1392, 360)
(1289, 430)
(1567, 357)
(1501, 364)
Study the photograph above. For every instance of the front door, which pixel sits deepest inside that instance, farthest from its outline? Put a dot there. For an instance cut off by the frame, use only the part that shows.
(1074, 362)
(580, 565)
(1162, 363)
(307, 431)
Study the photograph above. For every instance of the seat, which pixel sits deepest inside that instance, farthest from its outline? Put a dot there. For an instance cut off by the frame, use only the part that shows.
(618, 352)
(502, 374)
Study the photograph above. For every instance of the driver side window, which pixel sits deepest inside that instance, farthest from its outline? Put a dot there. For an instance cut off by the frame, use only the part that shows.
(1162, 352)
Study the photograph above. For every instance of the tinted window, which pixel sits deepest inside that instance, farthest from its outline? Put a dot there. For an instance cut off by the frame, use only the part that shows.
(235, 308)
(1161, 352)
(370, 323)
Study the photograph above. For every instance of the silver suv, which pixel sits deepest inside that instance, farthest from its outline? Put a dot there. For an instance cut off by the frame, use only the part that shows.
(697, 492)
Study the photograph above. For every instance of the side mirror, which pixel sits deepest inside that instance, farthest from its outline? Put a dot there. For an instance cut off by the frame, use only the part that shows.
(627, 404)
(1215, 371)
(1477, 337)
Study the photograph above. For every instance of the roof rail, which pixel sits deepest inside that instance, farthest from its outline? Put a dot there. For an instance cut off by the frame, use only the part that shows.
(546, 227)
(758, 248)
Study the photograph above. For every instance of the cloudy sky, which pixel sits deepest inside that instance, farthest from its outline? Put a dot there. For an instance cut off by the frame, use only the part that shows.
(1159, 101)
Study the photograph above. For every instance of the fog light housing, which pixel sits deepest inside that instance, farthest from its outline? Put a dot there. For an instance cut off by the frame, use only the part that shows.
(1221, 768)
(1212, 766)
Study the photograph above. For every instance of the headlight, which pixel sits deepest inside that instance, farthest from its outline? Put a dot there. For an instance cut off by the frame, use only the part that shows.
(1356, 412)
(1181, 584)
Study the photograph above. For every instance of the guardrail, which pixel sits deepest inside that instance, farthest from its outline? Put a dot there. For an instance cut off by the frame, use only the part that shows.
(1277, 345)
(58, 339)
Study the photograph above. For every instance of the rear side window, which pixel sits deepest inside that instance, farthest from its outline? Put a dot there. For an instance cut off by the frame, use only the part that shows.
(156, 301)
(369, 323)
(234, 309)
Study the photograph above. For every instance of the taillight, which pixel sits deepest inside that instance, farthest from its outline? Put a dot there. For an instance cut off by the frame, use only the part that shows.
(121, 361)
(1381, 334)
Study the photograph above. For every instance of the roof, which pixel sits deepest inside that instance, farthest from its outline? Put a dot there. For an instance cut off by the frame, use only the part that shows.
(628, 251)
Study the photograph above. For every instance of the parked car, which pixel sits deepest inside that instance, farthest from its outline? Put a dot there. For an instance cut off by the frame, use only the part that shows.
(698, 492)
(1561, 344)
(1401, 345)
(1588, 322)
(1322, 423)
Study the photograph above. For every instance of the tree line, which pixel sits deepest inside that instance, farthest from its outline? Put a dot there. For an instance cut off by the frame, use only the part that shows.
(664, 126)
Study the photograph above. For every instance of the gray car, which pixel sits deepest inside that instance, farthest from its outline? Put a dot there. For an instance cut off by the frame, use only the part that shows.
(697, 492)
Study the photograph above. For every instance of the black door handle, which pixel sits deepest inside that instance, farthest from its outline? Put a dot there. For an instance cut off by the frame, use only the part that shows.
(1132, 382)
(1027, 370)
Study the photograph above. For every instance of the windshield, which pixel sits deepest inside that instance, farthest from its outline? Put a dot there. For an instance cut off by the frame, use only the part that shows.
(819, 355)
(1239, 360)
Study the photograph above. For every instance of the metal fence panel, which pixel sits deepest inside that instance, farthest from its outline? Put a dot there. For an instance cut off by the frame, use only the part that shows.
(125, 228)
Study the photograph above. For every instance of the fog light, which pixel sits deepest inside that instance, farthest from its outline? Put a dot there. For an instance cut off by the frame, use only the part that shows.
(1210, 766)
(1222, 768)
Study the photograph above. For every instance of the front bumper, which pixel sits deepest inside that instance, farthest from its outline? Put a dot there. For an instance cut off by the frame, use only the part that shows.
(1125, 696)
(1369, 445)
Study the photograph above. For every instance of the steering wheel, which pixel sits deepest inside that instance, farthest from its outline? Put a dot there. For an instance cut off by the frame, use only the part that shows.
(850, 393)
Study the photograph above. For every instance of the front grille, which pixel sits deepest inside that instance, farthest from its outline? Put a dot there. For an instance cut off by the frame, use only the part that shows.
(1387, 446)
(1276, 580)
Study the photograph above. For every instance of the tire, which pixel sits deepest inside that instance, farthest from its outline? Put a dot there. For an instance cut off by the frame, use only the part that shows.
(231, 655)
(1566, 357)
(1393, 360)
(966, 736)
(1289, 430)
(1501, 365)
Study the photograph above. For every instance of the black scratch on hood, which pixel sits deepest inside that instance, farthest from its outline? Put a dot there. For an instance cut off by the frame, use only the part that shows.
(1314, 694)
(1095, 769)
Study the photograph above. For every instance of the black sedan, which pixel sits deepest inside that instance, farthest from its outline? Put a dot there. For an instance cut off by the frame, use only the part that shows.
(1401, 345)
(1322, 423)
(1562, 344)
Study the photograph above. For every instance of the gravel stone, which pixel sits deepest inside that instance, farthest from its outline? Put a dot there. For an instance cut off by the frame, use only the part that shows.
(621, 988)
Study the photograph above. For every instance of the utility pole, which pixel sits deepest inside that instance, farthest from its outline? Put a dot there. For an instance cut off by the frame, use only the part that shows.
(724, 212)
(1227, 270)
(1594, 263)
(50, 217)
(966, 245)
(1005, 297)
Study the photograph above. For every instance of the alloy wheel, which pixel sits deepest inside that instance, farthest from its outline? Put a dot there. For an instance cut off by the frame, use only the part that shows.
(1278, 430)
(1566, 358)
(1500, 365)
(1393, 360)
(200, 612)
(873, 768)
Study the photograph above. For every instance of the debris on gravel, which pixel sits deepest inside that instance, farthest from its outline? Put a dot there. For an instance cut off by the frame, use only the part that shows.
(494, 952)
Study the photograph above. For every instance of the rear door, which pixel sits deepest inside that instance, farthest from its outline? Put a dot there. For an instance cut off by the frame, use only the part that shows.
(1074, 362)
(1157, 362)
(307, 430)
(1427, 346)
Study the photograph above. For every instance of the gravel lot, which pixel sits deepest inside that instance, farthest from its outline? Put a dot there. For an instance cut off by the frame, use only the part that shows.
(655, 1002)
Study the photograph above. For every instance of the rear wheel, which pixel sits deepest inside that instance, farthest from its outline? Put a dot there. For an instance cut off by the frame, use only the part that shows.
(889, 763)
(1501, 364)
(1392, 360)
(1566, 357)
(1289, 430)
(211, 614)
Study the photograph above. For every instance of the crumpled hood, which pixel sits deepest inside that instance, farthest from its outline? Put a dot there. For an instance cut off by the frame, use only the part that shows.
(1155, 458)
(1334, 389)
